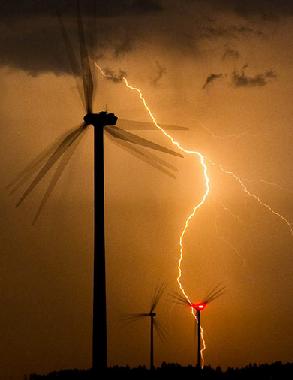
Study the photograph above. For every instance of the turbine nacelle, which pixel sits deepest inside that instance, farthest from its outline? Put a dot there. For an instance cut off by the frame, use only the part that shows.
(100, 119)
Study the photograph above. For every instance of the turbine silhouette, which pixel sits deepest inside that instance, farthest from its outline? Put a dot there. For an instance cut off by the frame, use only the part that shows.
(58, 156)
(196, 308)
(154, 323)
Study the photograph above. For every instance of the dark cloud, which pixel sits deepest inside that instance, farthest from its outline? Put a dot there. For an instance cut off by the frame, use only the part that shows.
(216, 31)
(115, 77)
(241, 79)
(95, 8)
(161, 71)
(211, 78)
(124, 45)
(31, 40)
(230, 53)
(146, 6)
(266, 9)
(31, 37)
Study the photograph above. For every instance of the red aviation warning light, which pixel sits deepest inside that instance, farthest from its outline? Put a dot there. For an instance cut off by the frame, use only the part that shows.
(198, 306)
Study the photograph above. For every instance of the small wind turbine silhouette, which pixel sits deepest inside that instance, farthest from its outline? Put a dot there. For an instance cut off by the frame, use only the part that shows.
(154, 324)
(197, 307)
(61, 152)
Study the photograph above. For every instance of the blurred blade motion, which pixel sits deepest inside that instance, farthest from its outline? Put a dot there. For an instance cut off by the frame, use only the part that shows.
(129, 125)
(134, 139)
(53, 158)
(87, 73)
(58, 173)
(216, 292)
(74, 64)
(36, 163)
(157, 296)
(134, 316)
(161, 330)
(146, 156)
(179, 298)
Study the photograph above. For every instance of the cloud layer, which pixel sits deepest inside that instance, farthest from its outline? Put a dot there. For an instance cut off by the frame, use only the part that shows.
(31, 40)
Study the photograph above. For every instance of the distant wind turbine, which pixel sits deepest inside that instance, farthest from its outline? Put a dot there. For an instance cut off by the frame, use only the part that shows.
(197, 307)
(154, 323)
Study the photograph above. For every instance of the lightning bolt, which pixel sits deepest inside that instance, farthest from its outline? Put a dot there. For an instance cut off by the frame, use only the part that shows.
(203, 162)
(255, 197)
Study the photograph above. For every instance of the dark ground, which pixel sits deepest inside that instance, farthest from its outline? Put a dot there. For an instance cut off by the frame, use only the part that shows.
(275, 371)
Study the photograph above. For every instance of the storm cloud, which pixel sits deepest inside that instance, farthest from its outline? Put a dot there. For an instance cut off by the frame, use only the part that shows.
(31, 40)
(230, 53)
(161, 71)
(211, 78)
(114, 77)
(241, 79)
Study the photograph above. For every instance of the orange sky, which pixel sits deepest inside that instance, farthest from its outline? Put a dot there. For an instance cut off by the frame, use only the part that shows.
(46, 270)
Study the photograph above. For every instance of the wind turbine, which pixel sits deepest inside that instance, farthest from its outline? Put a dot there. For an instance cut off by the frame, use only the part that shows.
(59, 155)
(154, 324)
(197, 308)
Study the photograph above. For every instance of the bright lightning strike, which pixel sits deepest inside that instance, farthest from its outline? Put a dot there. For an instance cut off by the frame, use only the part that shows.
(203, 162)
(195, 208)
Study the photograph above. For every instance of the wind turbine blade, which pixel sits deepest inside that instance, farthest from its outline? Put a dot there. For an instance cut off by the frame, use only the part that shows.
(36, 163)
(69, 139)
(134, 139)
(179, 299)
(216, 295)
(87, 76)
(214, 289)
(74, 64)
(157, 296)
(161, 330)
(134, 315)
(216, 292)
(129, 125)
(58, 173)
(146, 157)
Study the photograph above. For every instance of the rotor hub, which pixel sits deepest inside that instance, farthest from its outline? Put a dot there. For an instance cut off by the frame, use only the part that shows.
(100, 119)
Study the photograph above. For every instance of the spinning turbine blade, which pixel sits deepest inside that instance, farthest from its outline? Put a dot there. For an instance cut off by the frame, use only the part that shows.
(58, 173)
(157, 296)
(146, 157)
(161, 330)
(74, 64)
(87, 75)
(180, 299)
(134, 316)
(35, 164)
(214, 289)
(134, 139)
(69, 139)
(129, 125)
(215, 294)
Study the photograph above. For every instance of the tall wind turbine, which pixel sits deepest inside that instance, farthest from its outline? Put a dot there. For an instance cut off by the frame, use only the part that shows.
(61, 152)
(197, 308)
(154, 324)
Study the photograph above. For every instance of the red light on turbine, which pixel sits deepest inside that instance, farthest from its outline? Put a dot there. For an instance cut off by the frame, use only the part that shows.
(198, 306)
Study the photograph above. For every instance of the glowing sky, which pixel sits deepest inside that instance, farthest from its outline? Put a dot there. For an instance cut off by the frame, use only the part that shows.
(224, 70)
